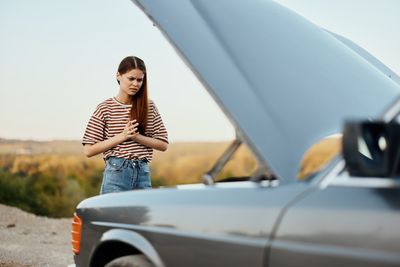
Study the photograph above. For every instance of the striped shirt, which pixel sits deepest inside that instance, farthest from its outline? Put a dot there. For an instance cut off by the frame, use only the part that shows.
(110, 118)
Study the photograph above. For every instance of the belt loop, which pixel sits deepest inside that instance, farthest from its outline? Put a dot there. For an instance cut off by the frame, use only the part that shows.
(123, 163)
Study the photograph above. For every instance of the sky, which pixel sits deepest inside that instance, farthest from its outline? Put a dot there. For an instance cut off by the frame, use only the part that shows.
(58, 60)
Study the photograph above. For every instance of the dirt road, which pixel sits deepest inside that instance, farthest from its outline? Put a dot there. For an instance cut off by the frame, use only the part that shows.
(27, 240)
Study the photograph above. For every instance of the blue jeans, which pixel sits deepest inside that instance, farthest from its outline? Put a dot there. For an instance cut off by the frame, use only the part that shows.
(123, 174)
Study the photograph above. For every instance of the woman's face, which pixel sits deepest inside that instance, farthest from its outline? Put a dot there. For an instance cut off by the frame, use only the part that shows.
(131, 82)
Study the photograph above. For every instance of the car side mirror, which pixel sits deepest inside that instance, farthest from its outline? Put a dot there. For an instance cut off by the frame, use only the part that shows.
(371, 149)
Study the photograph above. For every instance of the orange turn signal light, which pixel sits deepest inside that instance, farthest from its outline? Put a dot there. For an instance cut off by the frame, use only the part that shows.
(76, 234)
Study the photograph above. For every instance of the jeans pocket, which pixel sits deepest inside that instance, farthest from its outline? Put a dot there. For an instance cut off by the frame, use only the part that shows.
(145, 168)
(114, 164)
(144, 179)
(116, 178)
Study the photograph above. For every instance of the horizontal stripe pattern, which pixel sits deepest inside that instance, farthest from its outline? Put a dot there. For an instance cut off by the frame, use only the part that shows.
(110, 118)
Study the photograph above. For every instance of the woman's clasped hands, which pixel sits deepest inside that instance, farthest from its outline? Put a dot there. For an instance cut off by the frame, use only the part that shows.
(130, 129)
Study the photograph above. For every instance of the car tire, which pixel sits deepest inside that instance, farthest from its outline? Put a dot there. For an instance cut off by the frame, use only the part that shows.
(130, 261)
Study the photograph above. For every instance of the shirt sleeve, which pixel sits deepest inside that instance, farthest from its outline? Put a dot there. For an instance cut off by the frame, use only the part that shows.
(94, 132)
(155, 126)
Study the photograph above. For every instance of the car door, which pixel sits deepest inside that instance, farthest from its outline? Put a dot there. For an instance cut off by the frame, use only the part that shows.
(350, 221)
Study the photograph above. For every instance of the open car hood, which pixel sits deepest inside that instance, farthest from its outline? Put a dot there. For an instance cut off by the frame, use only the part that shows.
(284, 82)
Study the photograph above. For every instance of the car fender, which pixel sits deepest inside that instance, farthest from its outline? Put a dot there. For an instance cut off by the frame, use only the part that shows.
(135, 240)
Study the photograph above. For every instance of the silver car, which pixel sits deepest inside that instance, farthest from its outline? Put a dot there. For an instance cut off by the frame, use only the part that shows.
(286, 85)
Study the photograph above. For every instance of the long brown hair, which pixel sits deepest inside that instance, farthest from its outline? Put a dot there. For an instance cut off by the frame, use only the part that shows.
(140, 102)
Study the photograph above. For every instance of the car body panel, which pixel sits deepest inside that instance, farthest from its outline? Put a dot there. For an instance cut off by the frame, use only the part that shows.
(341, 225)
(273, 72)
(367, 56)
(191, 226)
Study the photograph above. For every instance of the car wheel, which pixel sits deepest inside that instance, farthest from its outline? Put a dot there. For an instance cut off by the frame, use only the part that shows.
(130, 261)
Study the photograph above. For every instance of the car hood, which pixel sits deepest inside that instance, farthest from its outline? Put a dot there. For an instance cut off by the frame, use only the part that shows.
(283, 82)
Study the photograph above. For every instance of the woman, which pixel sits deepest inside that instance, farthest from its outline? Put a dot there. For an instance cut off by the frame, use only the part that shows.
(126, 128)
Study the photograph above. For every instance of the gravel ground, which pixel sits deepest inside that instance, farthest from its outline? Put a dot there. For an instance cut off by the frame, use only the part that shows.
(27, 240)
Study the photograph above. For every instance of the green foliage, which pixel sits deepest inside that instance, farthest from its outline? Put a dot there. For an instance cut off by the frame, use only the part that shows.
(41, 195)
(13, 190)
(48, 185)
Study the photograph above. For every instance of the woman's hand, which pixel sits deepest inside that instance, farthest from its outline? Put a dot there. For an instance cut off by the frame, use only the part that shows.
(130, 130)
